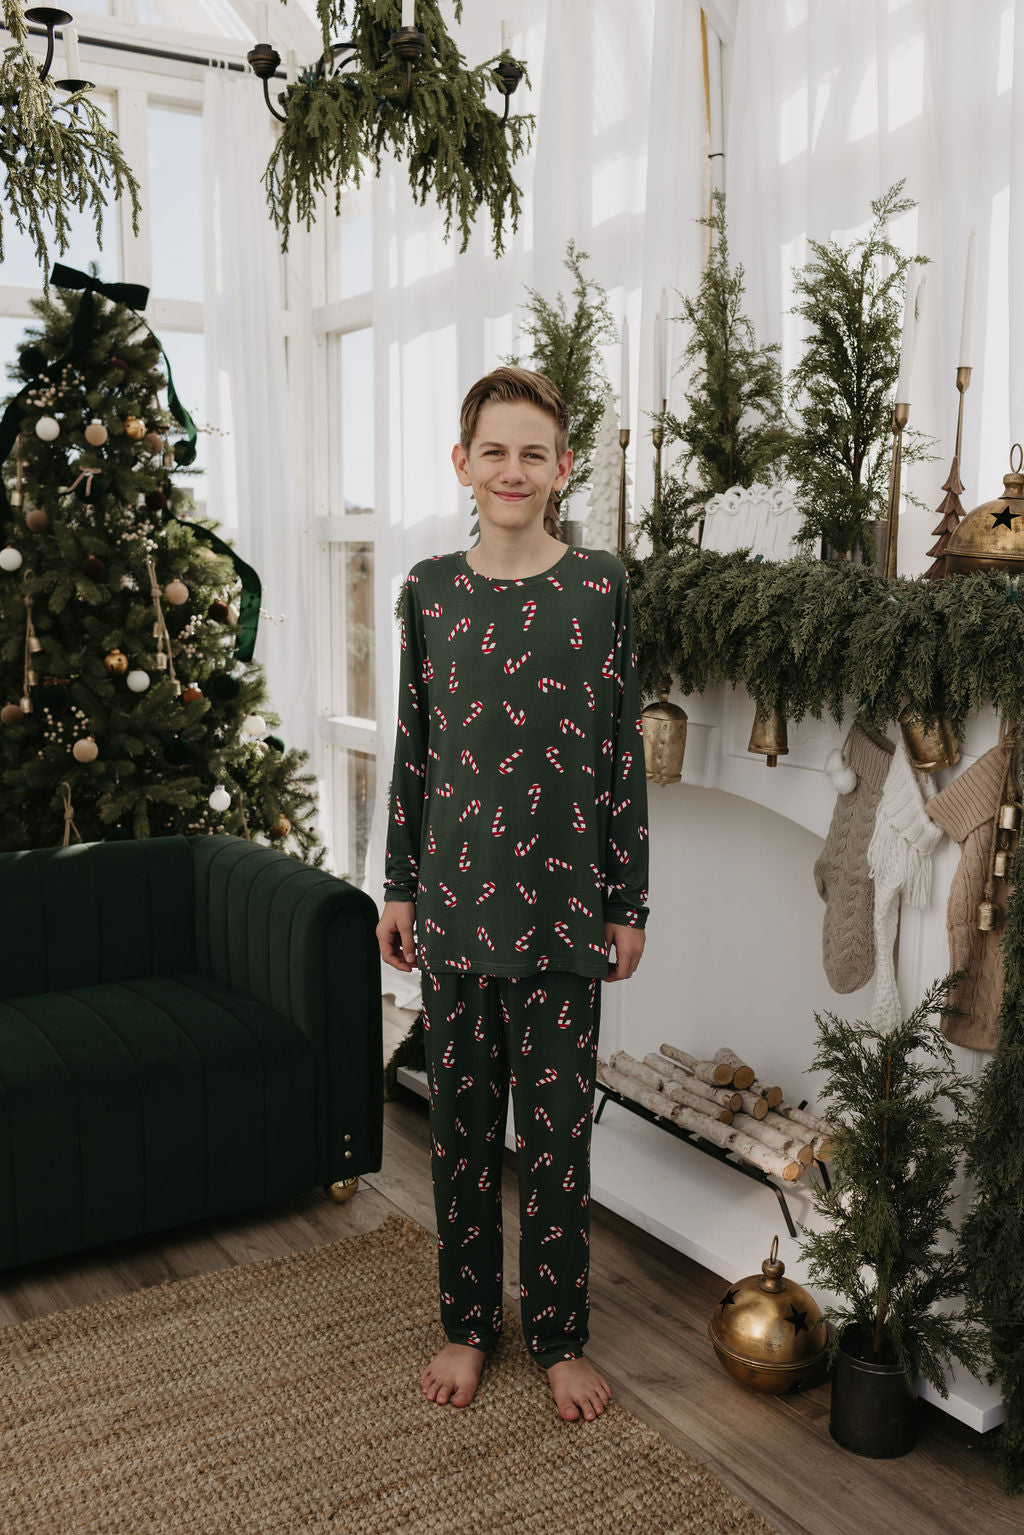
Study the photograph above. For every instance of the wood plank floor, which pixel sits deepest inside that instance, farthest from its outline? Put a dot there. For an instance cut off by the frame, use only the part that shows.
(650, 1308)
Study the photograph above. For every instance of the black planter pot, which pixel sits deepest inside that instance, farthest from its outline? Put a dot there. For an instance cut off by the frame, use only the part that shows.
(874, 1406)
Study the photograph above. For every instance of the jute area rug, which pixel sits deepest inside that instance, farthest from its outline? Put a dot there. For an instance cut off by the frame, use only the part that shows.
(283, 1396)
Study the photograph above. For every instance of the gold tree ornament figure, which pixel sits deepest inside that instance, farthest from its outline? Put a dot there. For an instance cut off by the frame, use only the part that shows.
(950, 511)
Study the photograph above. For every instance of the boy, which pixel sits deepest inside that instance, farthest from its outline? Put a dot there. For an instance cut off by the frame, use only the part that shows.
(517, 840)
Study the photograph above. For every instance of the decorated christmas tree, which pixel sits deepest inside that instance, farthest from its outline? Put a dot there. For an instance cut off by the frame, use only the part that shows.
(129, 703)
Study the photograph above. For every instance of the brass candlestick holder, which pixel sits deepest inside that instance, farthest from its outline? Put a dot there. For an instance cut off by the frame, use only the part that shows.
(963, 383)
(900, 417)
(658, 438)
(621, 537)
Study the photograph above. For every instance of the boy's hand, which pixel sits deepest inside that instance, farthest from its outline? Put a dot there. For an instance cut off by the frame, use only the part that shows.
(629, 945)
(394, 935)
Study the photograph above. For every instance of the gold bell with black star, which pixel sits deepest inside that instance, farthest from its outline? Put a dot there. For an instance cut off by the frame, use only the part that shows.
(992, 536)
(768, 1331)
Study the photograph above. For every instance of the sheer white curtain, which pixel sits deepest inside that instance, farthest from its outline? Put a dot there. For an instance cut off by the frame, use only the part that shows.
(251, 483)
(830, 102)
(619, 165)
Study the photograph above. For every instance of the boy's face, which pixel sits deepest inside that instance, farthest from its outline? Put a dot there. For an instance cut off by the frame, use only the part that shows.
(513, 464)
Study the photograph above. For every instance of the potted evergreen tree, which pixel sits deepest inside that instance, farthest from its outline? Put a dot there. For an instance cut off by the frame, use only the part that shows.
(889, 1249)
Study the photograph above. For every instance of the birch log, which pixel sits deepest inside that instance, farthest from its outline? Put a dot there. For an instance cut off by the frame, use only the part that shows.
(650, 1076)
(802, 1117)
(715, 1073)
(742, 1074)
(756, 1107)
(726, 1097)
(771, 1095)
(725, 1136)
(779, 1140)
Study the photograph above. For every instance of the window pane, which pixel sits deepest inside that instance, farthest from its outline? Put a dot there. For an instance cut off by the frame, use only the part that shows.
(350, 247)
(359, 635)
(12, 336)
(187, 353)
(174, 204)
(93, 7)
(357, 431)
(354, 786)
(193, 16)
(20, 264)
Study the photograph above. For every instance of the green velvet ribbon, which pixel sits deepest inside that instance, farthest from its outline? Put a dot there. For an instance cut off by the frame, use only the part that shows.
(252, 590)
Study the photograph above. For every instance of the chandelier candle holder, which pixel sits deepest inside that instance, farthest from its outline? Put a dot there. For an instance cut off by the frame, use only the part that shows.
(397, 84)
(900, 417)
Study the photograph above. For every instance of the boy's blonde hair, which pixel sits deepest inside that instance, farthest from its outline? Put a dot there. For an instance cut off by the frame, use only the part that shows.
(507, 385)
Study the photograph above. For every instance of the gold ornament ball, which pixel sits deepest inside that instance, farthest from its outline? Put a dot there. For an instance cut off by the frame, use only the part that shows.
(176, 593)
(991, 537)
(191, 693)
(134, 428)
(154, 442)
(96, 433)
(767, 1331)
(85, 750)
(37, 520)
(116, 663)
(10, 714)
(280, 829)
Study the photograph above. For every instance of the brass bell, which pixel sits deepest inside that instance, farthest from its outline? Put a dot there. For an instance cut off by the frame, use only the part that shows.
(988, 538)
(1002, 862)
(769, 737)
(989, 915)
(768, 1332)
(1009, 817)
(931, 747)
(664, 726)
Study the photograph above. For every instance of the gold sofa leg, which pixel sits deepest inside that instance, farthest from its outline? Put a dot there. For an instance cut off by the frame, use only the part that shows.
(343, 1190)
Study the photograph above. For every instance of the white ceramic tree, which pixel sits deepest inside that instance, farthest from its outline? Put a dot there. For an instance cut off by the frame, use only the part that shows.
(601, 527)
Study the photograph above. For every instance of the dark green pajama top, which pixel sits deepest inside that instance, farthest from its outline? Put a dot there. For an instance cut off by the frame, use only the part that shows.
(518, 810)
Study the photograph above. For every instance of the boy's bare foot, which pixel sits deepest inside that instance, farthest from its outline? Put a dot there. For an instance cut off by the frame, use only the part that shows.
(578, 1389)
(453, 1375)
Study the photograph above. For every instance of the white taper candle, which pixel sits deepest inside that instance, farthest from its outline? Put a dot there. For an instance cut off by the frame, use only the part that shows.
(408, 13)
(624, 396)
(262, 24)
(72, 63)
(909, 335)
(506, 37)
(659, 359)
(967, 322)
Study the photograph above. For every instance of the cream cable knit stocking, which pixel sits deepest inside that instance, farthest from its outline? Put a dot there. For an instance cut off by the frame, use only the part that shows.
(899, 862)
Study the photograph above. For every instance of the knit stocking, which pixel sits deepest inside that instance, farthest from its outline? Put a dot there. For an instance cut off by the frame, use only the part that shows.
(966, 809)
(899, 862)
(841, 873)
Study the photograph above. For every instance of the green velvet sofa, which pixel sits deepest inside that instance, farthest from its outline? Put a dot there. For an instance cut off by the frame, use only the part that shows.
(189, 1026)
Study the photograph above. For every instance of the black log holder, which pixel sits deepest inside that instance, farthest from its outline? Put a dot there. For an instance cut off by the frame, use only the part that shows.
(720, 1153)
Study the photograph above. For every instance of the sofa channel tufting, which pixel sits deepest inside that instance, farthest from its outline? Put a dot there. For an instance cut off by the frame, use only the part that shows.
(189, 1027)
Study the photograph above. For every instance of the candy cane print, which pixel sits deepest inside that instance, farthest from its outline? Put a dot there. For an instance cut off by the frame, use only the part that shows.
(513, 666)
(432, 926)
(448, 1058)
(608, 666)
(570, 1323)
(523, 943)
(399, 813)
(478, 1030)
(627, 763)
(547, 1272)
(603, 586)
(531, 1208)
(579, 820)
(556, 583)
(552, 863)
(575, 904)
(547, 684)
(544, 1160)
(581, 1281)
(562, 931)
(462, 963)
(542, 962)
(552, 755)
(442, 720)
(537, 995)
(517, 716)
(604, 798)
(542, 1117)
(474, 1311)
(505, 765)
(584, 1039)
(484, 937)
(465, 1272)
(484, 1180)
(577, 1129)
(403, 727)
(554, 1232)
(438, 1148)
(522, 848)
(607, 747)
(471, 1235)
(456, 1012)
(487, 644)
(526, 1046)
(433, 755)
(599, 948)
(569, 1181)
(435, 612)
(617, 850)
(461, 1165)
(499, 1124)
(486, 889)
(428, 670)
(598, 876)
(529, 608)
(549, 1075)
(415, 700)
(563, 1021)
(584, 1083)
(464, 857)
(464, 1085)
(468, 760)
(473, 808)
(475, 708)
(591, 700)
(548, 1311)
(497, 825)
(461, 580)
(453, 1209)
(450, 898)
(618, 809)
(533, 794)
(529, 896)
(462, 627)
(566, 725)
(577, 634)
(418, 768)
(445, 790)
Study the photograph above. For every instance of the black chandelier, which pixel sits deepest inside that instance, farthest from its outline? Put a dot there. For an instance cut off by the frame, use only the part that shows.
(50, 17)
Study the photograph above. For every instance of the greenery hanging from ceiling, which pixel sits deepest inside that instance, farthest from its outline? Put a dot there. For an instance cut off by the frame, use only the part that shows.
(58, 153)
(338, 124)
(819, 637)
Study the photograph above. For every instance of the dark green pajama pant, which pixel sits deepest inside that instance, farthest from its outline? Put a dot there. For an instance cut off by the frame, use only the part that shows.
(538, 1034)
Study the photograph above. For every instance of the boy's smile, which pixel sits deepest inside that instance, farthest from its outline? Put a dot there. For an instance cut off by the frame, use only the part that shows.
(513, 464)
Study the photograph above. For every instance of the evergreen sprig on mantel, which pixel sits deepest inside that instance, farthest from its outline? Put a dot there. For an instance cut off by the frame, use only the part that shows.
(58, 153)
(818, 638)
(340, 124)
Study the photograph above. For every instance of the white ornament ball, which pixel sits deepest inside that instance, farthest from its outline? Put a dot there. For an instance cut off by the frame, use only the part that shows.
(138, 680)
(220, 799)
(845, 780)
(47, 428)
(254, 725)
(96, 433)
(10, 559)
(176, 593)
(85, 750)
(834, 761)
